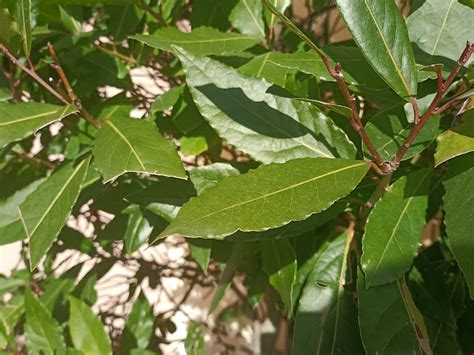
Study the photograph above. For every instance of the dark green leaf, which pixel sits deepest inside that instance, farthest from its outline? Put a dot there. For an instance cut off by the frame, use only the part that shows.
(279, 263)
(389, 321)
(252, 202)
(23, 21)
(459, 218)
(202, 41)
(127, 145)
(379, 30)
(268, 127)
(18, 121)
(139, 228)
(394, 229)
(139, 325)
(42, 332)
(44, 212)
(87, 331)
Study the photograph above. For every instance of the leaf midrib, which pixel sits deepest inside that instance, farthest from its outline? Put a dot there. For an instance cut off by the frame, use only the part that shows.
(276, 192)
(443, 25)
(253, 17)
(397, 69)
(2, 124)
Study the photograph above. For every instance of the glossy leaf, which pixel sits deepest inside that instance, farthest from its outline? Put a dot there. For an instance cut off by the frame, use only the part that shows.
(459, 217)
(86, 330)
(379, 30)
(456, 141)
(252, 202)
(388, 130)
(389, 320)
(326, 316)
(44, 212)
(202, 41)
(11, 228)
(127, 145)
(268, 127)
(247, 18)
(204, 177)
(441, 28)
(42, 331)
(394, 229)
(139, 228)
(18, 121)
(279, 263)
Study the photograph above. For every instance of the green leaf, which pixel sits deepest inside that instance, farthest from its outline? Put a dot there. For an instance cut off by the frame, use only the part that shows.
(212, 13)
(202, 41)
(279, 263)
(127, 145)
(267, 127)
(389, 321)
(11, 228)
(441, 28)
(167, 99)
(139, 228)
(18, 121)
(201, 250)
(123, 20)
(389, 129)
(23, 20)
(281, 6)
(139, 326)
(457, 141)
(44, 212)
(379, 30)
(394, 229)
(459, 217)
(326, 318)
(194, 343)
(87, 331)
(204, 177)
(253, 202)
(42, 331)
(342, 110)
(247, 18)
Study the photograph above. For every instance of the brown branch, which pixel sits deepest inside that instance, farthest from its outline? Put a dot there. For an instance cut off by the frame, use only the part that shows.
(158, 16)
(416, 110)
(73, 98)
(336, 73)
(33, 74)
(433, 108)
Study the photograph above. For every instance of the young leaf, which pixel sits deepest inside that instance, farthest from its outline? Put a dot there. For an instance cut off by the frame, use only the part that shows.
(379, 30)
(42, 331)
(44, 212)
(253, 202)
(394, 229)
(18, 121)
(267, 127)
(457, 141)
(441, 28)
(127, 145)
(389, 320)
(326, 315)
(279, 263)
(202, 41)
(459, 218)
(87, 331)
(247, 18)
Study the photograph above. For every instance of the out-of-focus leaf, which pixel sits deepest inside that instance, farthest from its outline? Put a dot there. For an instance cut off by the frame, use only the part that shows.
(127, 145)
(459, 217)
(87, 331)
(42, 332)
(326, 315)
(456, 141)
(441, 28)
(394, 229)
(202, 41)
(268, 127)
(139, 228)
(379, 30)
(22, 16)
(44, 212)
(212, 13)
(305, 186)
(167, 99)
(139, 326)
(279, 263)
(18, 121)
(194, 342)
(123, 20)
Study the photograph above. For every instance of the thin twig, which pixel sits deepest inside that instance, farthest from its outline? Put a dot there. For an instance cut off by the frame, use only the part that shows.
(158, 16)
(433, 108)
(416, 110)
(33, 74)
(336, 73)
